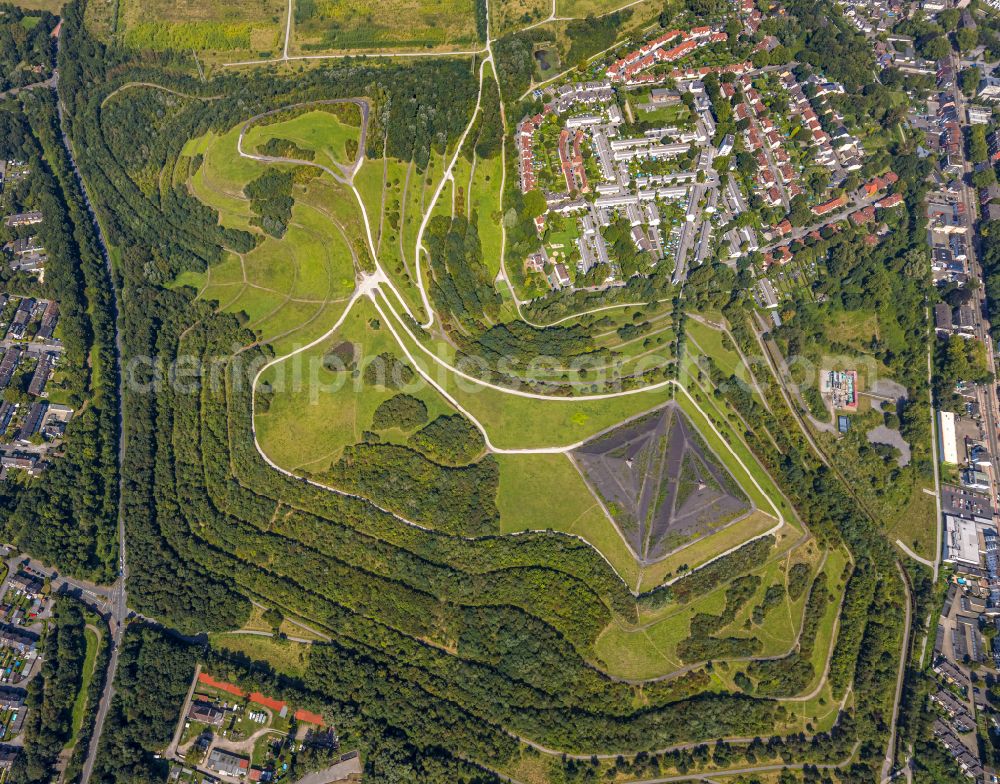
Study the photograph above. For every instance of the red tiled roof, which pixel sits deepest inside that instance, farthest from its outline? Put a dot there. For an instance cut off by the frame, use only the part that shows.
(823, 209)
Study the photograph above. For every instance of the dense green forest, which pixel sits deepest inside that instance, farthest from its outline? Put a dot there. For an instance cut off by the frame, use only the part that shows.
(443, 646)
(48, 725)
(27, 46)
(67, 516)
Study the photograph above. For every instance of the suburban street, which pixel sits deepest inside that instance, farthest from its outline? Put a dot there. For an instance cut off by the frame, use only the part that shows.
(694, 248)
(118, 601)
(988, 392)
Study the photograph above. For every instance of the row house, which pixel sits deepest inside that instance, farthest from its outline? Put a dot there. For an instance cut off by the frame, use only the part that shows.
(629, 69)
(526, 154)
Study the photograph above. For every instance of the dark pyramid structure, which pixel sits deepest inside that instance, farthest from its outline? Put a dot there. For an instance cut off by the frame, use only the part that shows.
(660, 482)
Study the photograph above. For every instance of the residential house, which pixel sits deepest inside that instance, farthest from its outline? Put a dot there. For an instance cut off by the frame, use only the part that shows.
(227, 764)
(23, 219)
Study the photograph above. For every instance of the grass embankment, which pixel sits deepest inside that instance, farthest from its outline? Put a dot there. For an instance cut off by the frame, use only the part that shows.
(94, 642)
(315, 411)
(539, 492)
(292, 289)
(394, 24)
(286, 656)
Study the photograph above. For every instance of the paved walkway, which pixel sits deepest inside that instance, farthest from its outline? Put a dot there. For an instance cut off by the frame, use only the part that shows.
(338, 772)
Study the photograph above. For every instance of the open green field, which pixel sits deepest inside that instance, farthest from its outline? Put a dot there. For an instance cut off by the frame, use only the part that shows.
(854, 326)
(916, 526)
(214, 26)
(517, 422)
(716, 345)
(286, 656)
(315, 412)
(293, 289)
(93, 641)
(484, 196)
(322, 25)
(317, 130)
(528, 485)
(649, 649)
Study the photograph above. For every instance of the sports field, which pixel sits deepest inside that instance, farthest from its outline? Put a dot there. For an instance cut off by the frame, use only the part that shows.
(322, 25)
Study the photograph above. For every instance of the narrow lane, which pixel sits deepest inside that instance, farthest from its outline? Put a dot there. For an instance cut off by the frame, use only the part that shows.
(119, 602)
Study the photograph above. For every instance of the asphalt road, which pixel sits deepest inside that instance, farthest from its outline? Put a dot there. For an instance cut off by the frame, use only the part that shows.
(990, 409)
(114, 599)
(118, 601)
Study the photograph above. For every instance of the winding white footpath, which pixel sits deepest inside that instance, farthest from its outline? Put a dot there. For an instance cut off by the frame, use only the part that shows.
(447, 176)
(370, 284)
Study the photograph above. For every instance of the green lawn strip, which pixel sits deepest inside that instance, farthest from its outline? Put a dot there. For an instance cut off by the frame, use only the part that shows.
(539, 492)
(649, 651)
(606, 333)
(192, 279)
(834, 569)
(661, 334)
(777, 632)
(273, 265)
(705, 549)
(325, 264)
(257, 304)
(486, 206)
(314, 412)
(399, 230)
(368, 181)
(94, 643)
(517, 422)
(234, 211)
(648, 358)
(916, 525)
(442, 207)
(710, 341)
(317, 130)
(286, 656)
(461, 175)
(197, 145)
(389, 251)
(224, 168)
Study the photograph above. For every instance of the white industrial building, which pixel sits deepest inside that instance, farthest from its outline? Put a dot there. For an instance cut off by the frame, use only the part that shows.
(961, 541)
(948, 440)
